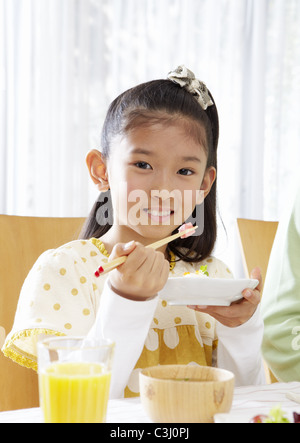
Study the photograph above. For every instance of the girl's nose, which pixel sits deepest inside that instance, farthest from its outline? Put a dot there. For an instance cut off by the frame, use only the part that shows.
(163, 184)
(161, 194)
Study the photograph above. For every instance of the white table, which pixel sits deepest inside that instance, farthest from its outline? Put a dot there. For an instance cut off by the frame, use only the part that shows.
(248, 402)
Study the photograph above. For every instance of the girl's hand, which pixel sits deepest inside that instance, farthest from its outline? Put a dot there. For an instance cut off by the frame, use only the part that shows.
(238, 312)
(144, 273)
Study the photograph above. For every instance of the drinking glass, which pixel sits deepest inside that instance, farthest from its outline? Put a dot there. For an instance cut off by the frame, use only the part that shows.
(74, 379)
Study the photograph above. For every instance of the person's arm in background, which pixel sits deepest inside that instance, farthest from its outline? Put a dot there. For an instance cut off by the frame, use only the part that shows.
(281, 300)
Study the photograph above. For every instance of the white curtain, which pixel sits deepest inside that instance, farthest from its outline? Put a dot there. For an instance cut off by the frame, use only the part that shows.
(63, 61)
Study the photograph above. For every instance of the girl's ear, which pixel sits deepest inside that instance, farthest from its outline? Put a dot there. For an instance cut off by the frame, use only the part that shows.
(98, 170)
(208, 180)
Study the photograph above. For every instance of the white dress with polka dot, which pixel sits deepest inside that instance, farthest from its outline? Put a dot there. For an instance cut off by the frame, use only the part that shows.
(61, 296)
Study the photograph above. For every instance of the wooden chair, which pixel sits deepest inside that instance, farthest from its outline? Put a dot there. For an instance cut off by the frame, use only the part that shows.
(23, 240)
(257, 237)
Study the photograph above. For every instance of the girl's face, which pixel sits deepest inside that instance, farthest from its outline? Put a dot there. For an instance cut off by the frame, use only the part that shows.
(157, 174)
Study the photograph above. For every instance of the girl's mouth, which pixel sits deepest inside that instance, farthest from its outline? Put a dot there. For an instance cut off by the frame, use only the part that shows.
(159, 216)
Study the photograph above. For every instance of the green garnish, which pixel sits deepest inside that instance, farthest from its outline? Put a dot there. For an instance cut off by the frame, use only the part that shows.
(204, 270)
(276, 415)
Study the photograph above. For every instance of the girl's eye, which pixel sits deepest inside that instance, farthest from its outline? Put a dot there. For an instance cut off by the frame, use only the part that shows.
(143, 165)
(184, 171)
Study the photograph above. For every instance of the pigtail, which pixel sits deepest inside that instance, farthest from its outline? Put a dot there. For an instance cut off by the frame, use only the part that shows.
(100, 219)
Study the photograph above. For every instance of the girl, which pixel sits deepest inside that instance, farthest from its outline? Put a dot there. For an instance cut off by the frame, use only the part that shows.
(158, 161)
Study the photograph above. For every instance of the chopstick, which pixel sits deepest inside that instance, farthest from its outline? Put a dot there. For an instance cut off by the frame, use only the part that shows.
(104, 269)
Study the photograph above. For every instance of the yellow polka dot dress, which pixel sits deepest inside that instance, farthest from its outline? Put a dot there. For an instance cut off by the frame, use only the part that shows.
(61, 296)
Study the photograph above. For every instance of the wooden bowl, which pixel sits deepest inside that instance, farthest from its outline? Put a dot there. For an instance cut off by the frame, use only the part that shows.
(185, 393)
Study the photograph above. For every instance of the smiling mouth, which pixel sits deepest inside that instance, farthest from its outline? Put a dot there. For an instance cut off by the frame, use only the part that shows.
(159, 216)
(159, 213)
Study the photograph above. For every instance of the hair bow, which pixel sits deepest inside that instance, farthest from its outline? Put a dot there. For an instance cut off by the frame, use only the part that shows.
(187, 80)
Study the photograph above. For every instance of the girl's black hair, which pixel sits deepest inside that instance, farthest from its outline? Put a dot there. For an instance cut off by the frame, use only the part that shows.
(160, 100)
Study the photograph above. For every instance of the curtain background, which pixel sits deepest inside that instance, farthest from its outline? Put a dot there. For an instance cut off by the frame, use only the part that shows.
(63, 61)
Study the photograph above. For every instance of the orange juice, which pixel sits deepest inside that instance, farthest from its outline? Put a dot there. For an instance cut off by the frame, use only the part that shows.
(74, 392)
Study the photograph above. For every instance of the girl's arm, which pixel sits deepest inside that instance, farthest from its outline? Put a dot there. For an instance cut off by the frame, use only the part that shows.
(239, 351)
(240, 334)
(127, 307)
(127, 322)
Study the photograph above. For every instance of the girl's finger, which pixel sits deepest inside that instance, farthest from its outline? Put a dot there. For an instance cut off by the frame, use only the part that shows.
(121, 249)
(256, 274)
(161, 267)
(252, 297)
(136, 259)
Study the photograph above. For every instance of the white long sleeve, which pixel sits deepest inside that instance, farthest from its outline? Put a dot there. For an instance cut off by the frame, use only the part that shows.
(61, 296)
(239, 351)
(127, 323)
